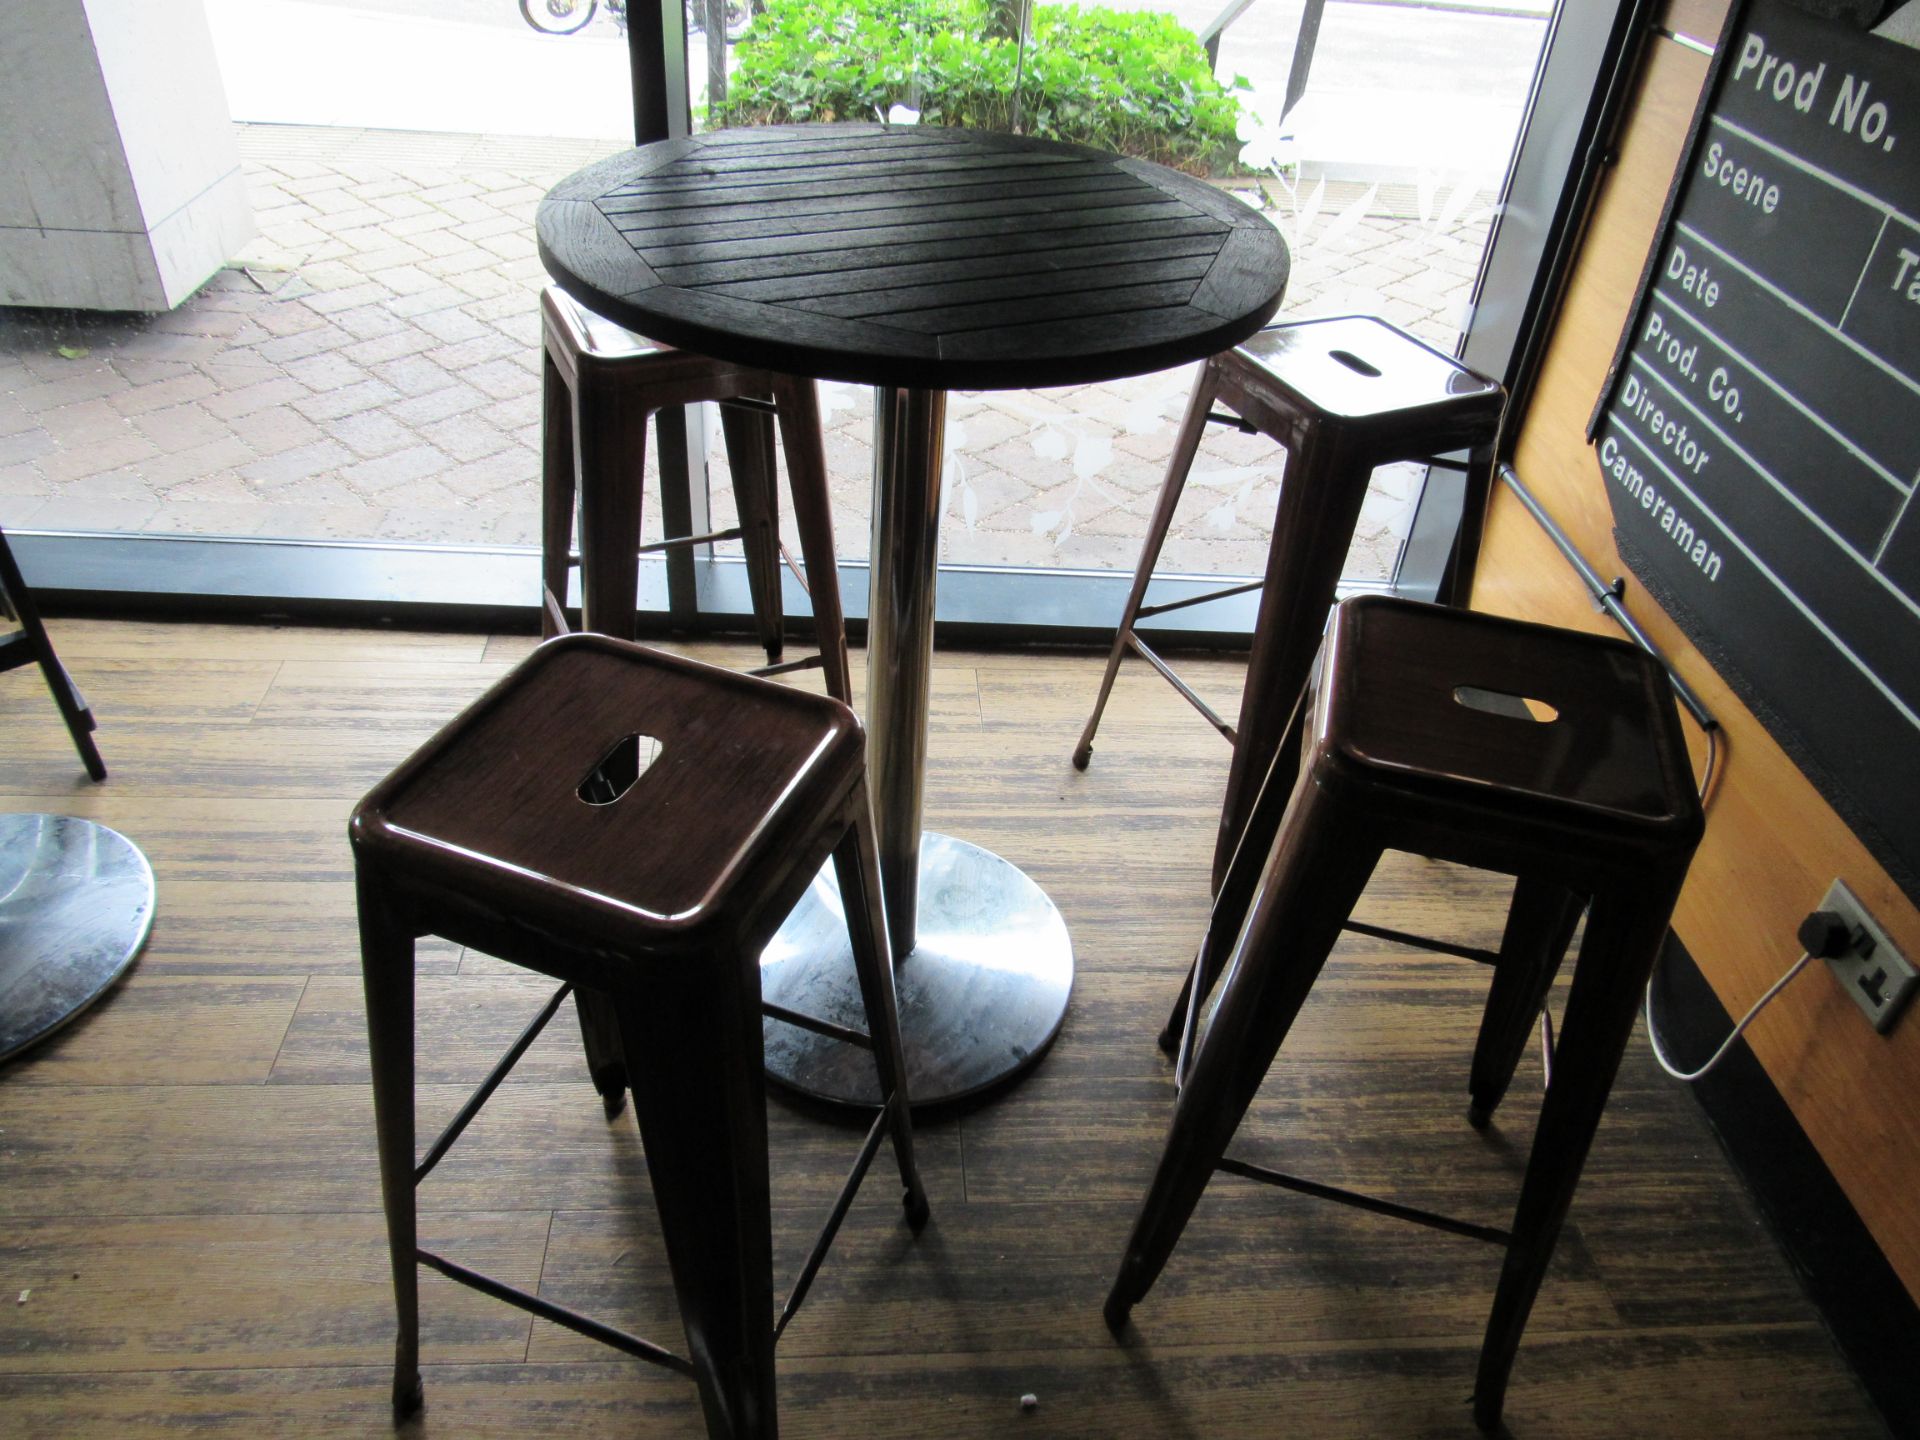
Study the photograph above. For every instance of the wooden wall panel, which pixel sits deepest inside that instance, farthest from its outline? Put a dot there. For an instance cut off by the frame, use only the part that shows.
(1696, 19)
(1772, 843)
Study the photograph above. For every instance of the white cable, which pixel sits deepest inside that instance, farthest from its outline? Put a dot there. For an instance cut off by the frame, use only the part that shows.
(1726, 1044)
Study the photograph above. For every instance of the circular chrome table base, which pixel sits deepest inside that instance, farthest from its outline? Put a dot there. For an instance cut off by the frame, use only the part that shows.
(76, 903)
(981, 995)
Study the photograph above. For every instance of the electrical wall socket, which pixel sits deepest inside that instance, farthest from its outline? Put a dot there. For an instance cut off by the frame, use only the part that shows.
(1878, 977)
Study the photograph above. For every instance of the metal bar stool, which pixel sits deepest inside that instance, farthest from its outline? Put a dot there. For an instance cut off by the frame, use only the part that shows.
(601, 384)
(1344, 396)
(637, 825)
(1547, 754)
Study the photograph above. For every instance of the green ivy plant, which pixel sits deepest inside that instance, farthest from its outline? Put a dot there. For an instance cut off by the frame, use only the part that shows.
(1133, 82)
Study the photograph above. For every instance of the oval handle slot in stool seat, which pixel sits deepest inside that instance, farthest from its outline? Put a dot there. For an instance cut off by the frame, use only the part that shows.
(1354, 363)
(1505, 703)
(620, 769)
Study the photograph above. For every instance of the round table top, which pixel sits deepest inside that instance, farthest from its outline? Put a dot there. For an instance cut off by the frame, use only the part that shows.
(913, 256)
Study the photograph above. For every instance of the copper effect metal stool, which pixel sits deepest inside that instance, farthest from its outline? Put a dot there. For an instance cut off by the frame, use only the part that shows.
(637, 825)
(1344, 396)
(601, 384)
(1420, 739)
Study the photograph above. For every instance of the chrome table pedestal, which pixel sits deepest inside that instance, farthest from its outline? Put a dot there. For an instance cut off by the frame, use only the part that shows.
(76, 903)
(983, 964)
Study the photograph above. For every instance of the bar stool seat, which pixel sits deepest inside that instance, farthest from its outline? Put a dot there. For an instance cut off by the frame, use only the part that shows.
(601, 384)
(636, 825)
(1546, 754)
(1344, 395)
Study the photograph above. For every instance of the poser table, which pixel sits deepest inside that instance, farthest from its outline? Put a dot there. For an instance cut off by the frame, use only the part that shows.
(917, 260)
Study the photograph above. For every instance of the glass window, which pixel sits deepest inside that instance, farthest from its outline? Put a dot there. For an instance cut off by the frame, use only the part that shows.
(1384, 174)
(366, 368)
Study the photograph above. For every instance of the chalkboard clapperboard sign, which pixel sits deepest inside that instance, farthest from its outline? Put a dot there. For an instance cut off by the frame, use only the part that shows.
(1759, 434)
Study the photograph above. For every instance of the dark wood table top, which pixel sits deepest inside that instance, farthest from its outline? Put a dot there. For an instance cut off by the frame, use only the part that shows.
(913, 256)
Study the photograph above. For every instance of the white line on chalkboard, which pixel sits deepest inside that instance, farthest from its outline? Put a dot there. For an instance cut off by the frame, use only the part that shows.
(1861, 278)
(1792, 597)
(1786, 493)
(1893, 529)
(1865, 197)
(1794, 305)
(1901, 485)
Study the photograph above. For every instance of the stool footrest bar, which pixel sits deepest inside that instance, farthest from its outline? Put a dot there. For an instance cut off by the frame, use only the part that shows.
(1363, 1202)
(1187, 692)
(793, 566)
(1221, 417)
(832, 1228)
(489, 1085)
(817, 1026)
(1423, 942)
(679, 540)
(559, 1314)
(656, 546)
(1167, 607)
(787, 667)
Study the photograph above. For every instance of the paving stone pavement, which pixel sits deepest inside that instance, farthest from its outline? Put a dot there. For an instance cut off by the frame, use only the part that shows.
(368, 369)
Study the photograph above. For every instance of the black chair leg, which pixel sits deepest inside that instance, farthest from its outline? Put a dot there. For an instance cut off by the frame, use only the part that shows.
(798, 404)
(609, 469)
(606, 1056)
(1186, 445)
(556, 493)
(609, 458)
(749, 439)
(857, 865)
(1540, 923)
(1237, 886)
(1321, 492)
(1456, 577)
(386, 960)
(1323, 864)
(31, 646)
(704, 1126)
(1623, 936)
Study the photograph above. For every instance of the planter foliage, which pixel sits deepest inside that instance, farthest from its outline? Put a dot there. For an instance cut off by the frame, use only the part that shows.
(1133, 82)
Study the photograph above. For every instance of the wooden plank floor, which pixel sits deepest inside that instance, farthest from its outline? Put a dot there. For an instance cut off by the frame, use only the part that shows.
(190, 1236)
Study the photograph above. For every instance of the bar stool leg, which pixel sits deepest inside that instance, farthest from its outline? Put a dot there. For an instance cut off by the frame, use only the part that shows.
(386, 963)
(609, 462)
(749, 438)
(1624, 935)
(857, 864)
(1315, 876)
(797, 402)
(72, 705)
(600, 1039)
(609, 470)
(1238, 885)
(556, 490)
(1540, 923)
(704, 1127)
(1321, 492)
(1186, 445)
(1456, 579)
